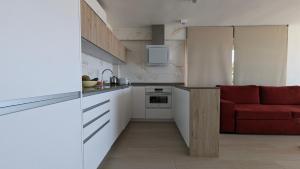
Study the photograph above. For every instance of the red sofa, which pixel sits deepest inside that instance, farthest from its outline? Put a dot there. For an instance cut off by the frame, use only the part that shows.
(260, 109)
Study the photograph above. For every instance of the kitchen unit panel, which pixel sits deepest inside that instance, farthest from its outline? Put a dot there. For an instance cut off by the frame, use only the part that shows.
(90, 127)
(96, 148)
(95, 99)
(46, 137)
(138, 103)
(86, 20)
(95, 31)
(111, 123)
(40, 48)
(102, 38)
(181, 112)
(96, 110)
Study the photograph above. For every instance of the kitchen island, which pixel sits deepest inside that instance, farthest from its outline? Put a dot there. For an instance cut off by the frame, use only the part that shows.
(196, 113)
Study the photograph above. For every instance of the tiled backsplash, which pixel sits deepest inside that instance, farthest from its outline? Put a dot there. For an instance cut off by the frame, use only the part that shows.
(93, 67)
(137, 70)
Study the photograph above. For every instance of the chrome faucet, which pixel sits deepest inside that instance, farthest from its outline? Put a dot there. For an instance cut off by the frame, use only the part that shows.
(104, 72)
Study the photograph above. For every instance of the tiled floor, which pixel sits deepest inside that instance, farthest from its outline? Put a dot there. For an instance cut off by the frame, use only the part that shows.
(159, 146)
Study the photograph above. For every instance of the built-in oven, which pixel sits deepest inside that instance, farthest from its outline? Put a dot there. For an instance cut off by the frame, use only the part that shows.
(158, 97)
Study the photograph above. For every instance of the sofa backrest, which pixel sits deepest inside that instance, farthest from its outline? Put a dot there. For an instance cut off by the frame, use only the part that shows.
(288, 95)
(241, 94)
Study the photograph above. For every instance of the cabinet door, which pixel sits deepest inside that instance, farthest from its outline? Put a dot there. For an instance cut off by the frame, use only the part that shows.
(94, 27)
(46, 137)
(110, 41)
(122, 51)
(97, 147)
(115, 117)
(138, 103)
(40, 48)
(181, 112)
(115, 43)
(128, 104)
(102, 37)
(86, 20)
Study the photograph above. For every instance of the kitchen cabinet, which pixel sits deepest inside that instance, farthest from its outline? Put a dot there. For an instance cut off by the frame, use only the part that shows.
(40, 48)
(121, 110)
(112, 113)
(101, 35)
(95, 30)
(181, 112)
(138, 102)
(122, 52)
(86, 20)
(45, 137)
(197, 115)
(97, 130)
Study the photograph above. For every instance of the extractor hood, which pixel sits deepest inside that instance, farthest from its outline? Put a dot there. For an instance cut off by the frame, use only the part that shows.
(158, 52)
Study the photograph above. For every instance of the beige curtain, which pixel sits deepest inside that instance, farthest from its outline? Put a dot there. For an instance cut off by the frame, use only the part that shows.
(209, 56)
(260, 55)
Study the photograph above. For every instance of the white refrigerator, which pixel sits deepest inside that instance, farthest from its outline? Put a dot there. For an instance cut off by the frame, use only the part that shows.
(40, 86)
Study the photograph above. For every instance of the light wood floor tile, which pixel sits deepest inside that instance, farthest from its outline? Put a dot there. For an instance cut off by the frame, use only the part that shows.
(159, 146)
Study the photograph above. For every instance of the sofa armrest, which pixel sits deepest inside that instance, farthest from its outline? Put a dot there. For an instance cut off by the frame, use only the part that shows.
(227, 121)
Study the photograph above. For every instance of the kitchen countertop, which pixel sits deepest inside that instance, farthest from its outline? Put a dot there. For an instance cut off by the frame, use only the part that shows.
(190, 88)
(98, 90)
(157, 84)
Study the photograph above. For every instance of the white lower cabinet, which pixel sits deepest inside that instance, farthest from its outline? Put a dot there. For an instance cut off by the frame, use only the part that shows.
(138, 102)
(181, 111)
(46, 137)
(97, 147)
(105, 117)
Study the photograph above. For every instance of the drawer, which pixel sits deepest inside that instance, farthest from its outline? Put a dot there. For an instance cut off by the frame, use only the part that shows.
(95, 99)
(92, 127)
(95, 112)
(97, 147)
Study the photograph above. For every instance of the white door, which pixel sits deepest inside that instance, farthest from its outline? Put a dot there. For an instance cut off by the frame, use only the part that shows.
(42, 138)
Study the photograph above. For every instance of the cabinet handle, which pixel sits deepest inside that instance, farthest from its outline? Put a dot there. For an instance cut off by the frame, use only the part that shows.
(95, 106)
(95, 132)
(18, 105)
(96, 118)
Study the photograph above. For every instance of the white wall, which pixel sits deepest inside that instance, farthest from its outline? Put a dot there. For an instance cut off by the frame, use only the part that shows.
(93, 67)
(293, 63)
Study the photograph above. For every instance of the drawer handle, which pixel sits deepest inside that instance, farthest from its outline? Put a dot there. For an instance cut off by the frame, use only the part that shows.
(94, 119)
(95, 132)
(95, 106)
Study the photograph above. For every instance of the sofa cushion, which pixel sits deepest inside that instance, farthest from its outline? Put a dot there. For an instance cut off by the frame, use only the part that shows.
(295, 110)
(240, 94)
(262, 112)
(227, 123)
(289, 95)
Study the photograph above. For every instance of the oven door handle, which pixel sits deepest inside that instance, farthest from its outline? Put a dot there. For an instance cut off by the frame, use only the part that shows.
(158, 94)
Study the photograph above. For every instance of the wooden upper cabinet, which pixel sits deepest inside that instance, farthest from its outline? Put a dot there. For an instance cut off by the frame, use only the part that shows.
(86, 20)
(94, 23)
(102, 37)
(110, 41)
(95, 30)
(122, 52)
(116, 46)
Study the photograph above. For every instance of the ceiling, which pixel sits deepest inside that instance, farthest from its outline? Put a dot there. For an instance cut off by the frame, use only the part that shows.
(136, 13)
